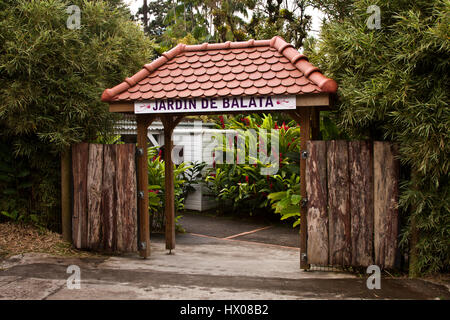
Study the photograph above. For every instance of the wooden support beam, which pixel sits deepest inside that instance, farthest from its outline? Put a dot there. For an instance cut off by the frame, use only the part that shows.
(315, 124)
(143, 121)
(169, 123)
(125, 107)
(302, 116)
(313, 100)
(66, 210)
(321, 101)
(177, 120)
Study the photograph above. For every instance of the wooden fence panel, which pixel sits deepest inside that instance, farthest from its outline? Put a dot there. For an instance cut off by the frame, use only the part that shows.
(361, 205)
(338, 203)
(105, 197)
(94, 189)
(79, 218)
(386, 175)
(317, 214)
(352, 192)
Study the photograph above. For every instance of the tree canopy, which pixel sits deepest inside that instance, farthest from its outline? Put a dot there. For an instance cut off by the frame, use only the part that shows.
(193, 21)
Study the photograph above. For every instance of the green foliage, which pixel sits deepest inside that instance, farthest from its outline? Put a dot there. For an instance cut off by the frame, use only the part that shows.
(192, 176)
(278, 18)
(15, 187)
(192, 21)
(52, 79)
(243, 186)
(108, 139)
(394, 85)
(185, 176)
(287, 203)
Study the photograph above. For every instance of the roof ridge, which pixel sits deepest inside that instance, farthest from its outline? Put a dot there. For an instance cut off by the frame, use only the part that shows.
(299, 60)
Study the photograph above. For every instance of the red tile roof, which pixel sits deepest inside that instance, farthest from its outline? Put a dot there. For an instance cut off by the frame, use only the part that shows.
(254, 67)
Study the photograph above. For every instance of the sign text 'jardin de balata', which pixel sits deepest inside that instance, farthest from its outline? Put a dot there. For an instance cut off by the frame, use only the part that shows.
(216, 104)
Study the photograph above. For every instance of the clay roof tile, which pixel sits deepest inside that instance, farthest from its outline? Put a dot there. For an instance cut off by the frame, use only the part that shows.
(220, 69)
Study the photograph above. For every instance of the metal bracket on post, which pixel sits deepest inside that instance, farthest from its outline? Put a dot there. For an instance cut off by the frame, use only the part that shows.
(304, 202)
(305, 154)
(303, 257)
(140, 194)
(140, 151)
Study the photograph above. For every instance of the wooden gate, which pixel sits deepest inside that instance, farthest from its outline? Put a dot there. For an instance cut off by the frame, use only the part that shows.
(352, 214)
(104, 197)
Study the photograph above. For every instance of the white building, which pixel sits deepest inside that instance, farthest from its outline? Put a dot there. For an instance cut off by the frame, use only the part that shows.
(189, 137)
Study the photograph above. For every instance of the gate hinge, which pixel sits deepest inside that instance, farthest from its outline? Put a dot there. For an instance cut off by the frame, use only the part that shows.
(139, 151)
(304, 202)
(140, 194)
(305, 154)
(303, 257)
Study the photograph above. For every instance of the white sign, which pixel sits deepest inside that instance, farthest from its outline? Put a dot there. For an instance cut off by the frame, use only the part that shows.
(216, 104)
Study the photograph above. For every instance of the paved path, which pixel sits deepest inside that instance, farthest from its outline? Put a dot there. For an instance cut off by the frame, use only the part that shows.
(242, 230)
(203, 266)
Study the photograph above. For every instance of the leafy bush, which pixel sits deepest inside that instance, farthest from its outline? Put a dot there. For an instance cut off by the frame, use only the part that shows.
(52, 79)
(243, 186)
(185, 176)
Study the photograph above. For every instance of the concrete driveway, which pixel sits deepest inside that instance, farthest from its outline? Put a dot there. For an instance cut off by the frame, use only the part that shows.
(243, 262)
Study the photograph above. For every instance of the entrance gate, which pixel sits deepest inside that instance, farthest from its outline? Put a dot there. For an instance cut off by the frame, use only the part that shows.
(251, 76)
(352, 213)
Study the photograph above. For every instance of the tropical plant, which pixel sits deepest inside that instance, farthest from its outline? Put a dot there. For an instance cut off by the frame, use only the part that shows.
(185, 176)
(243, 186)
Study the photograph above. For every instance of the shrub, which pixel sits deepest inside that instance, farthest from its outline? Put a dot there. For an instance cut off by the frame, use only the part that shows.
(52, 79)
(185, 177)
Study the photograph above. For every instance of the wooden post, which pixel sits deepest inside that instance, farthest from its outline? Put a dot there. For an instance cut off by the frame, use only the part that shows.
(169, 209)
(315, 124)
(143, 121)
(414, 270)
(303, 116)
(66, 211)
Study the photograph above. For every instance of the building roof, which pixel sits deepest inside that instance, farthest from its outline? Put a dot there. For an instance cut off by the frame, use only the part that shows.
(254, 67)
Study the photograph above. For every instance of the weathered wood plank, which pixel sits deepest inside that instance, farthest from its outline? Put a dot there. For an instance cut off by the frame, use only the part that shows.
(339, 203)
(316, 188)
(386, 175)
(120, 198)
(126, 207)
(130, 215)
(94, 196)
(108, 197)
(361, 205)
(80, 153)
(66, 196)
